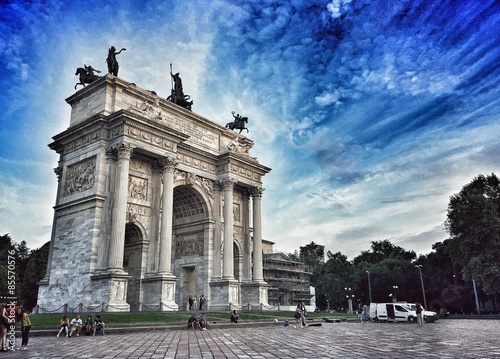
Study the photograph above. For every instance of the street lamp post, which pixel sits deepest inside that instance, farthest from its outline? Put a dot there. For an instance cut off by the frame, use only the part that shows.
(422, 281)
(394, 297)
(349, 297)
(369, 286)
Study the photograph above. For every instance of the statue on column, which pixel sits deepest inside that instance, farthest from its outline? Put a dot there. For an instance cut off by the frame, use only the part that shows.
(177, 93)
(111, 60)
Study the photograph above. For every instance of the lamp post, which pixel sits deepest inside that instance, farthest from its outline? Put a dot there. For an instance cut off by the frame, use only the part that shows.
(369, 286)
(422, 281)
(395, 290)
(349, 297)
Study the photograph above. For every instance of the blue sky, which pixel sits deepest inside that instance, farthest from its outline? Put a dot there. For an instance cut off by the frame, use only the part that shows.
(370, 113)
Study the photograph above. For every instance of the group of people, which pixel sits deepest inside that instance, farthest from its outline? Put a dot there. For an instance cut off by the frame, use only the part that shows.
(192, 304)
(300, 315)
(10, 315)
(76, 325)
(200, 323)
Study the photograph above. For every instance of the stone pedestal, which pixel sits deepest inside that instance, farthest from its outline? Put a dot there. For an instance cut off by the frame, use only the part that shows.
(223, 292)
(111, 288)
(159, 293)
(255, 293)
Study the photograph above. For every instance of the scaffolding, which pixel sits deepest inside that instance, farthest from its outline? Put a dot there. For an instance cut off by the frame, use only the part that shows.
(289, 281)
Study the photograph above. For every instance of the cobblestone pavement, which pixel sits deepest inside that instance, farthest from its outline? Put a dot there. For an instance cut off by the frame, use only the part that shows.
(443, 339)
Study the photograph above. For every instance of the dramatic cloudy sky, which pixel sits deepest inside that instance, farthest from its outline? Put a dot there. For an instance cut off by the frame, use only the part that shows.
(370, 113)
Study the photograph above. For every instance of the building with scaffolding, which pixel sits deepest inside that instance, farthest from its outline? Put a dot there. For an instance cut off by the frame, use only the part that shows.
(289, 281)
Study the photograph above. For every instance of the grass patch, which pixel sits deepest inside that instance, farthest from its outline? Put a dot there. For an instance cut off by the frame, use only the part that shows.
(48, 320)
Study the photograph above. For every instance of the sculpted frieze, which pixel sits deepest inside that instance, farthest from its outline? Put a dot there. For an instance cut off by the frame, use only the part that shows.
(196, 163)
(148, 136)
(81, 176)
(85, 140)
(189, 245)
(239, 170)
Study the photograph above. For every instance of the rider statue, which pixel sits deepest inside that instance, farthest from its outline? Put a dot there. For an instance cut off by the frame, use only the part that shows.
(90, 70)
(237, 120)
(111, 60)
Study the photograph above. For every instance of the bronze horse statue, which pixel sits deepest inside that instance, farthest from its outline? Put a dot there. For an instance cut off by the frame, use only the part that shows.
(86, 75)
(238, 123)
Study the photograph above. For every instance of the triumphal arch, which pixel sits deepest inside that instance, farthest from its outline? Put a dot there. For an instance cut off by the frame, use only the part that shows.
(154, 203)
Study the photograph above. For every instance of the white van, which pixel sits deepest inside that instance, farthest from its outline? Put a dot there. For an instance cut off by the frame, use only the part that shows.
(392, 312)
(398, 312)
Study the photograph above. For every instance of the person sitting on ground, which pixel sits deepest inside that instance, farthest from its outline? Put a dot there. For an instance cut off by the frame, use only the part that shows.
(234, 317)
(64, 325)
(76, 326)
(99, 324)
(193, 322)
(203, 322)
(88, 325)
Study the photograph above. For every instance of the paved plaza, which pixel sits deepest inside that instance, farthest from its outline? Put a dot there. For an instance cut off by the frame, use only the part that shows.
(443, 339)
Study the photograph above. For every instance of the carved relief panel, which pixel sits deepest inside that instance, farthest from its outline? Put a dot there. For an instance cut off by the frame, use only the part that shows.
(80, 176)
(189, 245)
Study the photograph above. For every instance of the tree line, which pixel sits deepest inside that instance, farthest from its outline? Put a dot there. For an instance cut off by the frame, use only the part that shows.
(468, 258)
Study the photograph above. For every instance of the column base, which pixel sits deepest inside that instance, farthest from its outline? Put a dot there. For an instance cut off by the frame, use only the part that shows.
(111, 288)
(255, 294)
(159, 293)
(224, 293)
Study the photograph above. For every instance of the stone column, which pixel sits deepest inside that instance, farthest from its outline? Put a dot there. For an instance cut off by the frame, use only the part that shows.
(116, 246)
(165, 255)
(228, 261)
(257, 235)
(247, 248)
(216, 262)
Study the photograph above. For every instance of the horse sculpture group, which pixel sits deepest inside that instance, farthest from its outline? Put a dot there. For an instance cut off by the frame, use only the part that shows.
(86, 75)
(238, 123)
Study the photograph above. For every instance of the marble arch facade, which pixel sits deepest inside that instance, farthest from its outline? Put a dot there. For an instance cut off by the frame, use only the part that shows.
(152, 201)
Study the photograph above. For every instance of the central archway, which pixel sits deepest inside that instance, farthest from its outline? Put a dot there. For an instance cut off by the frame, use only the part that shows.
(190, 232)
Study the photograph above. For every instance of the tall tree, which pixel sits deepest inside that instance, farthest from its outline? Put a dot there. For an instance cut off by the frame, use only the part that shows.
(313, 255)
(35, 271)
(381, 250)
(7, 246)
(474, 226)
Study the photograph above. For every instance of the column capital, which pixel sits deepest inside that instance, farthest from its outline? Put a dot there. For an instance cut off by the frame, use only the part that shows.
(228, 183)
(168, 163)
(58, 171)
(124, 151)
(257, 191)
